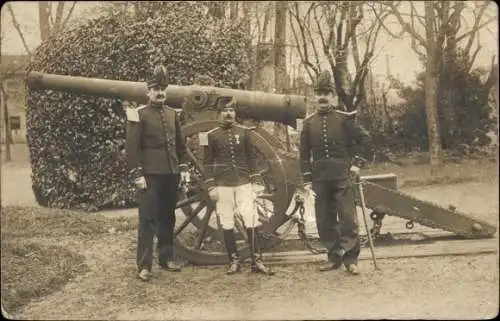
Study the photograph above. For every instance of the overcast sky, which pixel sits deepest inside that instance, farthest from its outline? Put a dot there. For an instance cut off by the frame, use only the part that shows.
(402, 60)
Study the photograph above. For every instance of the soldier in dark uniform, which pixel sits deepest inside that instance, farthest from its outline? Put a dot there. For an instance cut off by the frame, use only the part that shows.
(230, 175)
(332, 137)
(156, 152)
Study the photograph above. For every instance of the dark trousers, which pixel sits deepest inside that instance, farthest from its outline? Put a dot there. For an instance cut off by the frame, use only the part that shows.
(337, 220)
(157, 216)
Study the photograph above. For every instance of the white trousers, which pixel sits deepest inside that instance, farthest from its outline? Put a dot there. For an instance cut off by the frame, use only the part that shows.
(236, 200)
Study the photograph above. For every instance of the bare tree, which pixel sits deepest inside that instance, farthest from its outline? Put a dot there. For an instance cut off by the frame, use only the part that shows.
(435, 35)
(327, 35)
(280, 72)
(233, 10)
(17, 26)
(51, 22)
(280, 46)
(8, 136)
(217, 9)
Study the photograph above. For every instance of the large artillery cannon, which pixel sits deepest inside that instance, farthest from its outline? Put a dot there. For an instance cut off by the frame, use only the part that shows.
(198, 236)
(259, 106)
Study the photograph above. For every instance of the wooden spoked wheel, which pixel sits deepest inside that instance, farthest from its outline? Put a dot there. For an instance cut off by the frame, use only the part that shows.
(198, 235)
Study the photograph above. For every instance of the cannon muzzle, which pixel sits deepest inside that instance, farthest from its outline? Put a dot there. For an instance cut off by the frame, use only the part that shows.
(255, 105)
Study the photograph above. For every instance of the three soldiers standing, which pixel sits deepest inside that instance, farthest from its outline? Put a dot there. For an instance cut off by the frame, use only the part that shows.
(156, 151)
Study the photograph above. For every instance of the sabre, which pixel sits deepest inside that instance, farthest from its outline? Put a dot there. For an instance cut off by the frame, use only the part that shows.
(363, 209)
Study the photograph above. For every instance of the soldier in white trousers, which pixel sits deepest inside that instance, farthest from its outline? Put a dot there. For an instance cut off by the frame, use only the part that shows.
(230, 177)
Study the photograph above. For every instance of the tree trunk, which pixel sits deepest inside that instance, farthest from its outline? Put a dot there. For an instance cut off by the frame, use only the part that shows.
(43, 20)
(217, 9)
(449, 95)
(247, 26)
(233, 10)
(263, 34)
(280, 47)
(431, 83)
(280, 60)
(8, 138)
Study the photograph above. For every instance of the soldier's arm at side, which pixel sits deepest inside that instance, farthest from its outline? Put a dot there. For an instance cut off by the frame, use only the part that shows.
(181, 142)
(252, 163)
(360, 138)
(305, 153)
(208, 162)
(133, 140)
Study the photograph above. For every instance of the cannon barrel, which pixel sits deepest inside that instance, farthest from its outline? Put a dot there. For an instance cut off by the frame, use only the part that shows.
(250, 104)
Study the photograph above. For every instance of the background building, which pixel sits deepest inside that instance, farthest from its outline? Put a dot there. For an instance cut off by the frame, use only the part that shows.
(11, 73)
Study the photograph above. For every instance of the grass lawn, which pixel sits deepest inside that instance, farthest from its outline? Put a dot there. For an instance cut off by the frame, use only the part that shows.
(33, 268)
(416, 171)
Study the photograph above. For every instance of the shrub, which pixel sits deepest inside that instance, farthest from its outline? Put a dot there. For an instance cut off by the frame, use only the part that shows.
(76, 142)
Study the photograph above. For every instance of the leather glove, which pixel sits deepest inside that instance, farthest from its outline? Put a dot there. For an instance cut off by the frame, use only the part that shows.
(214, 196)
(140, 182)
(183, 167)
(308, 188)
(185, 177)
(354, 170)
(257, 189)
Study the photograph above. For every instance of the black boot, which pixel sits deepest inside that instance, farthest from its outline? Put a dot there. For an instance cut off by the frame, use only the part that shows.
(256, 254)
(334, 261)
(166, 259)
(230, 244)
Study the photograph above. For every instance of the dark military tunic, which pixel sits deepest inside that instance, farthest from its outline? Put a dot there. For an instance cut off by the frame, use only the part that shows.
(228, 157)
(156, 144)
(328, 141)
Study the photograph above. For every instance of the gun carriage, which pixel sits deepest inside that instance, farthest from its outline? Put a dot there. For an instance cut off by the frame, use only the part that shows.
(197, 235)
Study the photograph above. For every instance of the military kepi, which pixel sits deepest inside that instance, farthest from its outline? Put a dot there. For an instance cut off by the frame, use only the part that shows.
(159, 77)
(324, 85)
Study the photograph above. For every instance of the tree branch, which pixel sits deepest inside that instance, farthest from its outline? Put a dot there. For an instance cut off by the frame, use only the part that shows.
(355, 53)
(306, 61)
(313, 45)
(407, 27)
(470, 62)
(414, 14)
(475, 29)
(18, 29)
(389, 32)
(339, 31)
(326, 46)
(59, 16)
(68, 16)
(493, 75)
(441, 30)
(466, 34)
(302, 53)
(342, 79)
(359, 79)
(266, 21)
(49, 14)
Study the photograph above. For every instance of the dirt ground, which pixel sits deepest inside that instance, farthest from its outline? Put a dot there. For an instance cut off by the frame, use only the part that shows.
(451, 287)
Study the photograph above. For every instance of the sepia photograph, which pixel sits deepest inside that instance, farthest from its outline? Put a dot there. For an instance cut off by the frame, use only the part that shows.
(249, 160)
